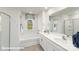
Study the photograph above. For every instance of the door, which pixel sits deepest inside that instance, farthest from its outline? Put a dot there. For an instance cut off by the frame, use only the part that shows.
(5, 32)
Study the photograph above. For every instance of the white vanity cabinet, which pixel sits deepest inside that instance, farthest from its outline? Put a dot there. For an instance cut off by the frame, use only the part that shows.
(53, 46)
(49, 45)
(43, 43)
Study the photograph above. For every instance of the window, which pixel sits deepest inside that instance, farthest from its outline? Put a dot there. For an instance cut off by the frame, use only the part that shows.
(29, 18)
(29, 24)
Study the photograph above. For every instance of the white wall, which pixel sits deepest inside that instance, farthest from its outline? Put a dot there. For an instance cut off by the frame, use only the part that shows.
(43, 21)
(15, 18)
(40, 23)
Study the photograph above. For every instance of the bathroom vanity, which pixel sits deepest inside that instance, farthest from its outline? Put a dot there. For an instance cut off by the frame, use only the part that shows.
(56, 42)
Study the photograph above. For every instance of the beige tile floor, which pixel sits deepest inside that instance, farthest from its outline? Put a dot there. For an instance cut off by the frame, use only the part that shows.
(33, 48)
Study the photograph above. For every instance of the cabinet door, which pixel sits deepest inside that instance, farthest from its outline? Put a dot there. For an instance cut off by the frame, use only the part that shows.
(51, 46)
(43, 43)
(47, 45)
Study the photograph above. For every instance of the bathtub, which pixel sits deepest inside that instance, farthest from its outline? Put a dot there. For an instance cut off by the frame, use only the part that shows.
(29, 38)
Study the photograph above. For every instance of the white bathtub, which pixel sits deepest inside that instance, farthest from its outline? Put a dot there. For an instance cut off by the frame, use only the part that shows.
(28, 39)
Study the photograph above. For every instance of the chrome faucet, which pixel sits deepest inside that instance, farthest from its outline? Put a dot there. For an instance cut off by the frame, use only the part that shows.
(64, 37)
(46, 31)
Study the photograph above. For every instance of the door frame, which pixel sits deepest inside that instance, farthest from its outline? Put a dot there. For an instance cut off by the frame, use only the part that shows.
(9, 26)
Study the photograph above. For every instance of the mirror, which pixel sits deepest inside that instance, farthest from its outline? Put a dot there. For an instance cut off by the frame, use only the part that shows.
(61, 25)
(65, 21)
(53, 24)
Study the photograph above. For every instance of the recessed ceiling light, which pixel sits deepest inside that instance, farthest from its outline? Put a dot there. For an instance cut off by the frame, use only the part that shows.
(46, 8)
(31, 12)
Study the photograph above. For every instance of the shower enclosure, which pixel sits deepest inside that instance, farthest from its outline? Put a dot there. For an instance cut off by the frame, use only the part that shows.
(4, 32)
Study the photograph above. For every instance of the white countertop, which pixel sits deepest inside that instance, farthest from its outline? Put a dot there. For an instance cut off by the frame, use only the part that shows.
(57, 38)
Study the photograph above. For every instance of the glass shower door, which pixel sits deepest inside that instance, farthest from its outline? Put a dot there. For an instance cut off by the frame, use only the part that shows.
(4, 32)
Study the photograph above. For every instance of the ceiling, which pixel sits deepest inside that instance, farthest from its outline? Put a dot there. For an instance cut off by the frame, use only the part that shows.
(33, 10)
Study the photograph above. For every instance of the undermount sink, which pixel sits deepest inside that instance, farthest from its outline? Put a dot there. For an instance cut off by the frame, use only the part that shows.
(64, 40)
